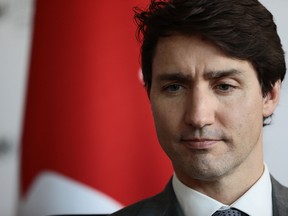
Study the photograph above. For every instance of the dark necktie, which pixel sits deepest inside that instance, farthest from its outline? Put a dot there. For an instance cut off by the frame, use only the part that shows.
(229, 212)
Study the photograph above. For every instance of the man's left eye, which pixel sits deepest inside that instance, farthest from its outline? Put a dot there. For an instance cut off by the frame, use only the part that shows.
(225, 87)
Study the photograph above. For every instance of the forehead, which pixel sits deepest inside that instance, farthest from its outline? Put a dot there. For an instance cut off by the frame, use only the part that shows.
(193, 54)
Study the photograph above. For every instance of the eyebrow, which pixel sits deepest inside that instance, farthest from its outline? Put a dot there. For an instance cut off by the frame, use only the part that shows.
(221, 73)
(174, 76)
(180, 77)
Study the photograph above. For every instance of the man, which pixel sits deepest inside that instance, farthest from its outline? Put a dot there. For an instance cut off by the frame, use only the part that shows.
(213, 71)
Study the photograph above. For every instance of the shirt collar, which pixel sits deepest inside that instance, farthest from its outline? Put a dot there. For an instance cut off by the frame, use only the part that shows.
(258, 199)
(194, 203)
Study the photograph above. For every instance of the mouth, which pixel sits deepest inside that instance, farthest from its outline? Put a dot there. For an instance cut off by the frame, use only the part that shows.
(200, 144)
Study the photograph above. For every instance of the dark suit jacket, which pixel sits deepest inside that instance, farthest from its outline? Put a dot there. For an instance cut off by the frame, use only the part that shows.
(166, 204)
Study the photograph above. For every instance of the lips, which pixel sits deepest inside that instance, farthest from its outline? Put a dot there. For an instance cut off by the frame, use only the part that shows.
(197, 144)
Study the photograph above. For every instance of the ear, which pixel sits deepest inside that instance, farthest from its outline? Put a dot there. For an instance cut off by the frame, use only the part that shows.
(271, 100)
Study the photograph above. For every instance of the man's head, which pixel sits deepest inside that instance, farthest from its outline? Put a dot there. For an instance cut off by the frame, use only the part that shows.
(242, 29)
(213, 70)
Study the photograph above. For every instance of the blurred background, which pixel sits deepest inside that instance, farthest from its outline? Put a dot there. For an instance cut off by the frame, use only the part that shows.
(16, 24)
(15, 31)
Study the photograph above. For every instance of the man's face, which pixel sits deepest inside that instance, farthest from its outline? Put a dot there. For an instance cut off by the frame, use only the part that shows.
(208, 108)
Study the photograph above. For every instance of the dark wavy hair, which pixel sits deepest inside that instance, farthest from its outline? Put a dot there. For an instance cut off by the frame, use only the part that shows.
(243, 29)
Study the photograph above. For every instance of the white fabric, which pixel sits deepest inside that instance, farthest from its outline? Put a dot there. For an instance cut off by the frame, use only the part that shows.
(55, 194)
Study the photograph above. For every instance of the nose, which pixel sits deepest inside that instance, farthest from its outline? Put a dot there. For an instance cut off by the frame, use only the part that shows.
(200, 108)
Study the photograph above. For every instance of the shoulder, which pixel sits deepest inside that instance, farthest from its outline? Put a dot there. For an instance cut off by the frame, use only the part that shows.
(148, 206)
(279, 196)
(279, 190)
(164, 203)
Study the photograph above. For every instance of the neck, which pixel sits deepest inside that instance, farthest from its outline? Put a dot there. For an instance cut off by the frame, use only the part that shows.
(230, 188)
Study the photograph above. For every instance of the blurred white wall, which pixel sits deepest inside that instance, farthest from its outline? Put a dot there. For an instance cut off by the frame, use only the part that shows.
(15, 26)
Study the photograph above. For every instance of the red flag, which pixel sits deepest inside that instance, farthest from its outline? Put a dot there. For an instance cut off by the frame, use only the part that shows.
(87, 127)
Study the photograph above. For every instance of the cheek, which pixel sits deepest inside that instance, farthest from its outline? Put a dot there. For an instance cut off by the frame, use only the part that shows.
(166, 118)
(162, 117)
(243, 117)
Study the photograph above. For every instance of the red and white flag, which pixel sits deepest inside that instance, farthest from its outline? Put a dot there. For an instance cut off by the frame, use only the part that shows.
(88, 144)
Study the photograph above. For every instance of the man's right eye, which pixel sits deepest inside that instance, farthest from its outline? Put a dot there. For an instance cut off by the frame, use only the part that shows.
(173, 88)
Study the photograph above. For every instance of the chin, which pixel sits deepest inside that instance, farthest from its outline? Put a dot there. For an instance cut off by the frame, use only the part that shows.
(206, 171)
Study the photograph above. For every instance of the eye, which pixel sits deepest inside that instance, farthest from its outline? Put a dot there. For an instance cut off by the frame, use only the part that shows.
(224, 87)
(173, 88)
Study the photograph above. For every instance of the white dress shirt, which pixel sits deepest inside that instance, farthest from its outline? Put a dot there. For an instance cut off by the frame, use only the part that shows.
(257, 201)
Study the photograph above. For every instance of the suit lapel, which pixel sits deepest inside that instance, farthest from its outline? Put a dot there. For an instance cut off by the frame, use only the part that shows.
(173, 208)
(163, 204)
